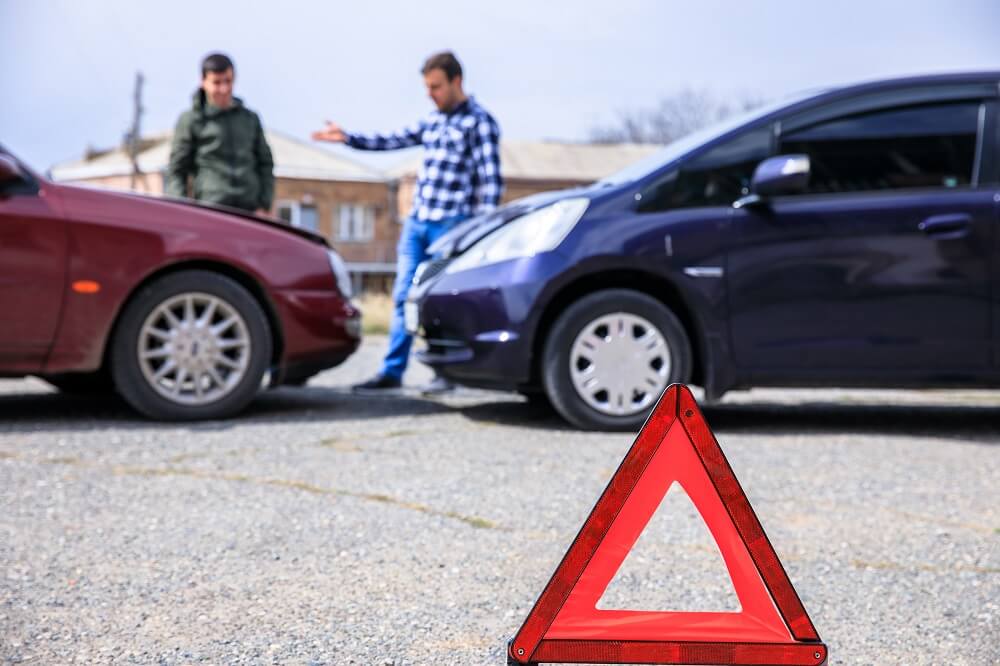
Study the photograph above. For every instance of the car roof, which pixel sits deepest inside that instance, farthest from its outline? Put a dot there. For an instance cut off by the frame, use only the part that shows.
(803, 105)
(889, 84)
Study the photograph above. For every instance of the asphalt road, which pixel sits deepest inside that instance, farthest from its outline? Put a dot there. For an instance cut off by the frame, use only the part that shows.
(329, 528)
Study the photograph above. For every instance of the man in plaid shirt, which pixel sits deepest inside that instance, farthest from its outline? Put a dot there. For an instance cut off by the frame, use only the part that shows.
(459, 177)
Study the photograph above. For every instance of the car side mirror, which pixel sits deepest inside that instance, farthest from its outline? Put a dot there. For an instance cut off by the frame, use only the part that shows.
(784, 174)
(9, 170)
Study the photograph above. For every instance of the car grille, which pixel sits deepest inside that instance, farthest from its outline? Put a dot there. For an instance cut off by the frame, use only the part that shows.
(429, 270)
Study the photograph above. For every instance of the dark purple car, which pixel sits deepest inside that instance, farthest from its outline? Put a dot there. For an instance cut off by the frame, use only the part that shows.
(844, 238)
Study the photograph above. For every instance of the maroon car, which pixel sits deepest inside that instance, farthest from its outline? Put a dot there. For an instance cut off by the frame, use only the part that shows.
(181, 308)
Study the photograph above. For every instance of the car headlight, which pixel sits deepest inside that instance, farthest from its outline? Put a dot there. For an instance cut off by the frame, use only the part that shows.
(340, 272)
(538, 231)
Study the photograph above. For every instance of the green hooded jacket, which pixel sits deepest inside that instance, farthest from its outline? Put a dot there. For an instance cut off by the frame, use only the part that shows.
(225, 154)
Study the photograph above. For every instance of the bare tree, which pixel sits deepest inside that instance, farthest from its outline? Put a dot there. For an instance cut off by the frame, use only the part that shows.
(673, 117)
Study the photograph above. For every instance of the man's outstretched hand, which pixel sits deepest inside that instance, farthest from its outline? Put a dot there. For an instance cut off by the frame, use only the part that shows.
(332, 133)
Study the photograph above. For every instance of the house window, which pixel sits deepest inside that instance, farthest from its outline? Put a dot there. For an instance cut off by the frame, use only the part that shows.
(298, 214)
(355, 223)
(308, 218)
(286, 210)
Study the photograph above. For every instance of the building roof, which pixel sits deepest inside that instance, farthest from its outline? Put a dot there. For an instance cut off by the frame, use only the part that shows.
(292, 159)
(553, 160)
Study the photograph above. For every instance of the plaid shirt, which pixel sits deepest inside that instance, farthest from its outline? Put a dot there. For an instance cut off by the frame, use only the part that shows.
(460, 174)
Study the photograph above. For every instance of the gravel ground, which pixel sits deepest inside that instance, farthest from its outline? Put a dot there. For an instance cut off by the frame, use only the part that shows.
(328, 528)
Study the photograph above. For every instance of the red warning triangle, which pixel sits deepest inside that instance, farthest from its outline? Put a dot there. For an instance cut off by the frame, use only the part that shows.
(771, 627)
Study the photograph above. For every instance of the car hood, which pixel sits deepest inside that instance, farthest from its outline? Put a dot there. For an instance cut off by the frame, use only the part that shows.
(468, 233)
(239, 212)
(77, 193)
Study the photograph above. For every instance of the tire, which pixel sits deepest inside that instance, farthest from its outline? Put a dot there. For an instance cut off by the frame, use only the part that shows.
(610, 355)
(213, 332)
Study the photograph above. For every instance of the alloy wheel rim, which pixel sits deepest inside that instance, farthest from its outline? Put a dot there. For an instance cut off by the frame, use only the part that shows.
(619, 364)
(194, 349)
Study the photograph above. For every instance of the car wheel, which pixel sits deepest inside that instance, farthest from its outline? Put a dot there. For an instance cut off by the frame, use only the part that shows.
(191, 345)
(610, 355)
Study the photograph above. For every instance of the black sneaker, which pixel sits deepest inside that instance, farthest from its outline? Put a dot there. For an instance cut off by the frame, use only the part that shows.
(378, 382)
(437, 386)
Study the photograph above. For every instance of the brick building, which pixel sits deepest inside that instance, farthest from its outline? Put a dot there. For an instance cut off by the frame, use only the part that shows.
(356, 207)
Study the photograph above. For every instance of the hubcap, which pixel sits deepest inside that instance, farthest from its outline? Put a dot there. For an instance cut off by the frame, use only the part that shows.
(194, 349)
(619, 364)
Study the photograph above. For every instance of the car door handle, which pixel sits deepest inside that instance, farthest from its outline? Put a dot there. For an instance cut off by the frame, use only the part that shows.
(953, 225)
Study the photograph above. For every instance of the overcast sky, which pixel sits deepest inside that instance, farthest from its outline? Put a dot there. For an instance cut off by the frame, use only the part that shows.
(546, 69)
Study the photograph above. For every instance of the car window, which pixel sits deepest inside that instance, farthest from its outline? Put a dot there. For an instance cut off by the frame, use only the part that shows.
(26, 184)
(717, 177)
(916, 147)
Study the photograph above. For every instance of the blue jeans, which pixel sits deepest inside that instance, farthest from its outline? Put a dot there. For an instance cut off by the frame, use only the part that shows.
(416, 237)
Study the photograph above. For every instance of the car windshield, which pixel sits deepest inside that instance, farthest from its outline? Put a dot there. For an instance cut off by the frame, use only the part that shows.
(689, 142)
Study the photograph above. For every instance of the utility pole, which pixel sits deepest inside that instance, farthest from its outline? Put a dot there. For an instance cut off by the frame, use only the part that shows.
(133, 136)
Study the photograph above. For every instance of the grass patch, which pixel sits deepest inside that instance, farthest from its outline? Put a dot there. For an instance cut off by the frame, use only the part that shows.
(66, 460)
(342, 445)
(184, 457)
(376, 313)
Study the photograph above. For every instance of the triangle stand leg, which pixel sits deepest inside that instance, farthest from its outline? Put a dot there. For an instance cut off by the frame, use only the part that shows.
(513, 662)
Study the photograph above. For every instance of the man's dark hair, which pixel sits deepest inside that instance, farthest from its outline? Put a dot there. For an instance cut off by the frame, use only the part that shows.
(216, 63)
(445, 61)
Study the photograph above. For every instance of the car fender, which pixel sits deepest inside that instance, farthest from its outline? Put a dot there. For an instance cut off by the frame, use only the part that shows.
(700, 310)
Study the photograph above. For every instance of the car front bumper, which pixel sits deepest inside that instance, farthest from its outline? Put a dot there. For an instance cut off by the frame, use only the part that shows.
(320, 329)
(479, 324)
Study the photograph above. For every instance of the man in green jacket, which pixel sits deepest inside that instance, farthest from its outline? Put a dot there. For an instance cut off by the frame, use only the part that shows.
(219, 145)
